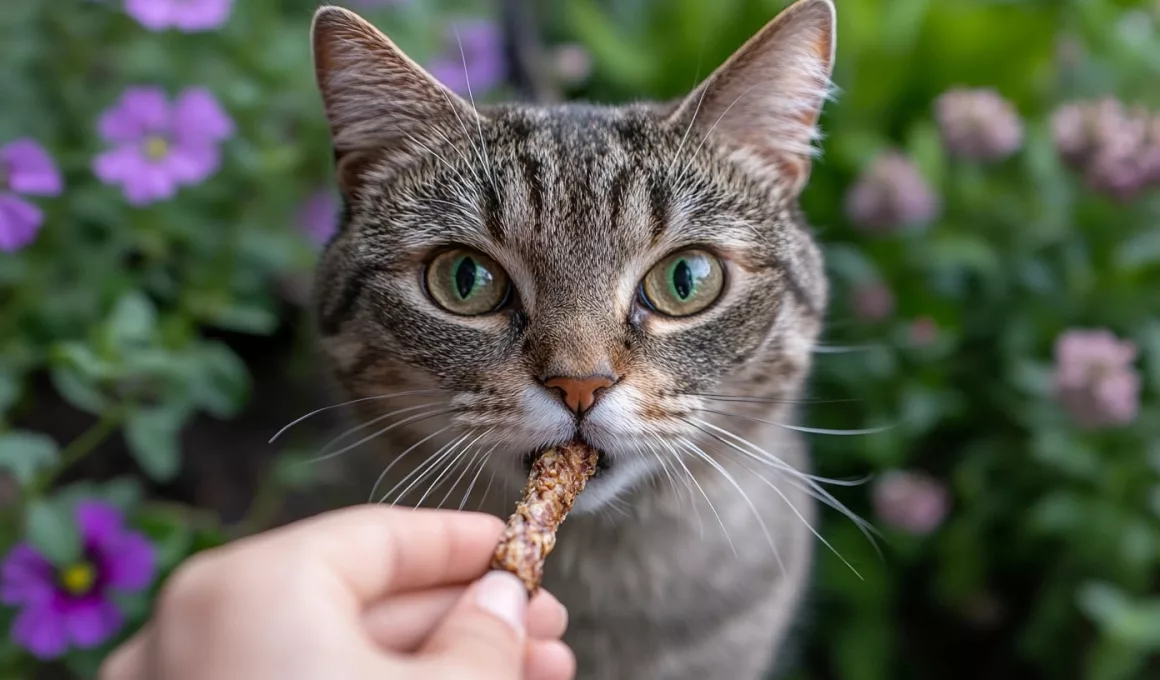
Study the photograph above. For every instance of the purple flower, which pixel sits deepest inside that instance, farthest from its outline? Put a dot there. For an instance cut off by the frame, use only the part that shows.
(71, 606)
(890, 195)
(978, 124)
(911, 501)
(25, 168)
(159, 146)
(1116, 149)
(1094, 378)
(873, 301)
(318, 216)
(480, 64)
(188, 16)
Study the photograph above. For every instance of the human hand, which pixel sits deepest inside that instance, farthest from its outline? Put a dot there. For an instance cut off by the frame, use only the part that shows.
(361, 593)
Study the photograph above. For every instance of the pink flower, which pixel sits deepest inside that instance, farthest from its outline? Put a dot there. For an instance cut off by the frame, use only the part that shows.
(873, 301)
(159, 146)
(891, 194)
(1116, 149)
(25, 169)
(923, 332)
(911, 501)
(70, 606)
(188, 16)
(1094, 378)
(978, 124)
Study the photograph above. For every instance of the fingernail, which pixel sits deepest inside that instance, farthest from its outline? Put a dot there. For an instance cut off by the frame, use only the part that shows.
(503, 595)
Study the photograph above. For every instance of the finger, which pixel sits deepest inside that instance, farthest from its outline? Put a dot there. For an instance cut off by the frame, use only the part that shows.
(549, 660)
(377, 550)
(126, 662)
(483, 637)
(403, 622)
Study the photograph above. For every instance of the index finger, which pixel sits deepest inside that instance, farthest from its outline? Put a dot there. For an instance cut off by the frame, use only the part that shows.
(377, 550)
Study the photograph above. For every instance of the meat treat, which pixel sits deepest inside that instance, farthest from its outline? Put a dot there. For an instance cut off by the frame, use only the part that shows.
(558, 476)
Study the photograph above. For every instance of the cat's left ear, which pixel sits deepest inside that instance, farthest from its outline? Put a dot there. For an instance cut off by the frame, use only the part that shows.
(764, 102)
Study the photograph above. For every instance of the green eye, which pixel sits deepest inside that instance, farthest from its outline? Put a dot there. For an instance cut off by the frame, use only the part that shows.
(683, 283)
(467, 282)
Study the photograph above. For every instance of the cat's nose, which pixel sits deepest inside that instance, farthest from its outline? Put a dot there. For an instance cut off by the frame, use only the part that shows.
(579, 393)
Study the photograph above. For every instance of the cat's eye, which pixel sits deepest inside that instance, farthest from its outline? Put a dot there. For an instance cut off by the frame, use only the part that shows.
(467, 282)
(683, 283)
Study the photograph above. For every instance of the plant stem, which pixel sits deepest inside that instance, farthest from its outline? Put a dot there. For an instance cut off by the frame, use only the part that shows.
(78, 449)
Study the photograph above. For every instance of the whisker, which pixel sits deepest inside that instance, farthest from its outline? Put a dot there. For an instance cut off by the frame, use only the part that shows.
(697, 451)
(402, 455)
(487, 490)
(802, 428)
(690, 481)
(421, 470)
(378, 433)
(688, 129)
(315, 412)
(478, 471)
(372, 422)
(809, 526)
(843, 349)
(814, 488)
(478, 123)
(688, 164)
(466, 468)
(447, 468)
(764, 400)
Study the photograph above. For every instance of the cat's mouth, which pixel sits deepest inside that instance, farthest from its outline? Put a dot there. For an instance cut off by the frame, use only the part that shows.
(602, 462)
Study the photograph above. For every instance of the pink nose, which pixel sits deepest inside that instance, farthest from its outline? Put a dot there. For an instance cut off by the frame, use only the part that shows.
(579, 393)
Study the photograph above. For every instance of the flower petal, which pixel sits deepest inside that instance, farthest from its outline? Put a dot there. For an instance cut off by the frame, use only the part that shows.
(100, 523)
(42, 630)
(130, 563)
(139, 112)
(151, 186)
(92, 621)
(19, 222)
(192, 164)
(201, 15)
(26, 577)
(30, 169)
(120, 164)
(156, 15)
(200, 119)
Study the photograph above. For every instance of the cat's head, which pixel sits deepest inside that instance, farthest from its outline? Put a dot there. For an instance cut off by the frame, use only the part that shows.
(530, 275)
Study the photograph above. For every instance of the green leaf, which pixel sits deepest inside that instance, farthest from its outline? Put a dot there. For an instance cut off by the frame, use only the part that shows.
(52, 529)
(1139, 251)
(132, 322)
(220, 382)
(245, 318)
(152, 434)
(78, 390)
(26, 453)
(171, 533)
(1134, 622)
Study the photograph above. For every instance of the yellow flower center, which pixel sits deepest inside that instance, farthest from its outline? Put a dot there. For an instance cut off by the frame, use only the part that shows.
(78, 579)
(156, 147)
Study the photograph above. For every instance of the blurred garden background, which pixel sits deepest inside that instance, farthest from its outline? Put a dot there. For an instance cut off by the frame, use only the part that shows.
(986, 201)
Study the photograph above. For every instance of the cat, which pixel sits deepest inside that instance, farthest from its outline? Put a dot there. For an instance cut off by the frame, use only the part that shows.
(639, 277)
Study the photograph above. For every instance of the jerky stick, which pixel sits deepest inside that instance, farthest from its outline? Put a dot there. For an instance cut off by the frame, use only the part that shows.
(557, 478)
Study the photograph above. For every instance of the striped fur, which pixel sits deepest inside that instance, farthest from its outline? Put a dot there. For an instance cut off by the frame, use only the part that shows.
(577, 202)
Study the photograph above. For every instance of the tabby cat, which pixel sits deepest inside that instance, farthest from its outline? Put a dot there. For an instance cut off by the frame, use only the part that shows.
(639, 277)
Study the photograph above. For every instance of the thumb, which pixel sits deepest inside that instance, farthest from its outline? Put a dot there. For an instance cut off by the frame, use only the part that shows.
(483, 636)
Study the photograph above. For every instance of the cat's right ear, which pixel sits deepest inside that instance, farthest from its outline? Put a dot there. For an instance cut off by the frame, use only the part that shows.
(382, 106)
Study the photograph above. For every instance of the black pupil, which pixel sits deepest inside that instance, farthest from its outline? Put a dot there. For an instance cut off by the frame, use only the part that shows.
(465, 277)
(683, 280)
